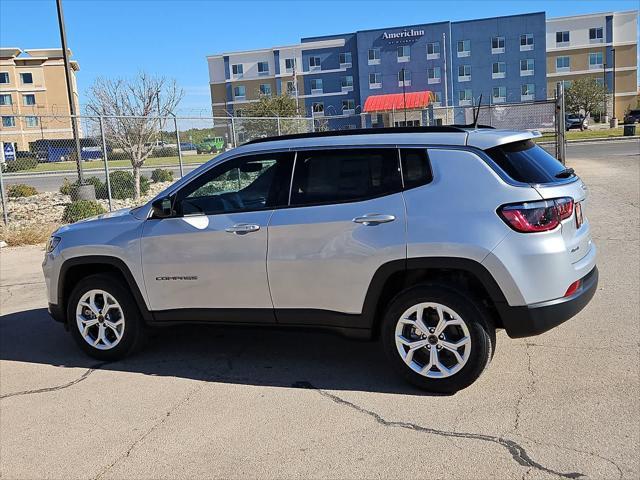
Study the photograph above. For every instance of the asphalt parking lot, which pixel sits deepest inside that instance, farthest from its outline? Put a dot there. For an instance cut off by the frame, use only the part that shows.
(244, 403)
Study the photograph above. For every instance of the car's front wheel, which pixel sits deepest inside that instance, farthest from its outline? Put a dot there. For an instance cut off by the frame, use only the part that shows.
(438, 338)
(103, 318)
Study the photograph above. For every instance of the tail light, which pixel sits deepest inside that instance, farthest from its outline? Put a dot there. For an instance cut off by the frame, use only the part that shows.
(573, 288)
(539, 216)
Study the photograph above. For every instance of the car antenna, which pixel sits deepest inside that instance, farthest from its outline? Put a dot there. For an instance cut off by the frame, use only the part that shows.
(477, 113)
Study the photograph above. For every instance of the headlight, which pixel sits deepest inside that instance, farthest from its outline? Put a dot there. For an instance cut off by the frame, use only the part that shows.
(52, 244)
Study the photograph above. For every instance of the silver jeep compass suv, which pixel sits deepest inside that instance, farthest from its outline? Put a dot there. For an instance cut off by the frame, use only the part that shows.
(427, 238)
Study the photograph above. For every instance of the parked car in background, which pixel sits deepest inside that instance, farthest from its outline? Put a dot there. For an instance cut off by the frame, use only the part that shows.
(186, 146)
(632, 116)
(574, 121)
(345, 231)
(211, 145)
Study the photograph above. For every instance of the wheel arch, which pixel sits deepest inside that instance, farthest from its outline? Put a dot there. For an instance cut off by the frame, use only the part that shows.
(395, 276)
(75, 269)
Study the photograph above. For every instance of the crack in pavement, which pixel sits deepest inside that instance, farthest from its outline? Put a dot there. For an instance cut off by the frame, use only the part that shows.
(149, 431)
(518, 452)
(57, 387)
(530, 387)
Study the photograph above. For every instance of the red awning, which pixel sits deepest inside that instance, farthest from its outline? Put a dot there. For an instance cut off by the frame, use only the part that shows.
(395, 101)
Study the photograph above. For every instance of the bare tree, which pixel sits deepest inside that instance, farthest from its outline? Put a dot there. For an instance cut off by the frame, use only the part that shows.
(133, 111)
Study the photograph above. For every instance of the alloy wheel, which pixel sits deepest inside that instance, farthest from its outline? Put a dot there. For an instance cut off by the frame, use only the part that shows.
(100, 319)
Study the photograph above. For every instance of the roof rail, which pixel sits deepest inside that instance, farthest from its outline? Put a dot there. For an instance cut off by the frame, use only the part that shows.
(368, 131)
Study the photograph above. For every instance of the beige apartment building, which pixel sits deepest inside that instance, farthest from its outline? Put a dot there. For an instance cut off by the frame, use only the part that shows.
(33, 96)
(596, 45)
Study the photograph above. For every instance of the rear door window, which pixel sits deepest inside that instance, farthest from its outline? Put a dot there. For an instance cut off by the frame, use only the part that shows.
(527, 162)
(336, 176)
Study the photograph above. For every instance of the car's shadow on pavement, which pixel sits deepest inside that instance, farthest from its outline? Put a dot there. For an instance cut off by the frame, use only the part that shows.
(239, 355)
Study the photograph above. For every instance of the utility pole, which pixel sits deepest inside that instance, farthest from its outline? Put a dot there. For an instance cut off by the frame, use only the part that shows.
(604, 84)
(614, 120)
(404, 95)
(84, 191)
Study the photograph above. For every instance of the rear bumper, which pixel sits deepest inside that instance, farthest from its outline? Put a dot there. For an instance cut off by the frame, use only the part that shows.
(529, 320)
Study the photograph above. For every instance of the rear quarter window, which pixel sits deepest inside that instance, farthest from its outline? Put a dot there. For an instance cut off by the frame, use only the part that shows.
(527, 162)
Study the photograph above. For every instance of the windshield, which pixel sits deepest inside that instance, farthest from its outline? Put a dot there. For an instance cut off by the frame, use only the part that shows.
(527, 162)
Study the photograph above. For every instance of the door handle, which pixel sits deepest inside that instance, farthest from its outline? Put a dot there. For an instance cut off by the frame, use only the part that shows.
(242, 228)
(374, 219)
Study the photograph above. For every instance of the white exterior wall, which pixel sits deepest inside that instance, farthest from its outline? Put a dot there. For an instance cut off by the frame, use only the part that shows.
(578, 28)
(250, 61)
(625, 27)
(216, 69)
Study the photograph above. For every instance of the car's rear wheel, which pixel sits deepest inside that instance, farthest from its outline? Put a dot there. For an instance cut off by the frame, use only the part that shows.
(438, 338)
(103, 318)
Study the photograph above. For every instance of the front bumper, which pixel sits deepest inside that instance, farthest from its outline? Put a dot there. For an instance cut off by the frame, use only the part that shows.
(529, 320)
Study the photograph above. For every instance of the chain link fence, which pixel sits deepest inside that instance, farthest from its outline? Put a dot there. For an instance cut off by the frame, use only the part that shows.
(128, 160)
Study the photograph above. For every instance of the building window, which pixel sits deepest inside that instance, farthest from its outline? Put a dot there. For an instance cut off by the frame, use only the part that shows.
(562, 38)
(499, 70)
(26, 78)
(375, 80)
(345, 60)
(404, 78)
(464, 48)
(437, 99)
(595, 60)
(528, 92)
(4, 77)
(465, 97)
(317, 108)
(404, 53)
(314, 63)
(237, 70)
(8, 121)
(29, 99)
(291, 88)
(433, 50)
(263, 68)
(316, 86)
(239, 92)
(526, 42)
(5, 99)
(596, 35)
(563, 64)
(346, 83)
(499, 94)
(31, 121)
(600, 81)
(526, 67)
(374, 56)
(565, 84)
(289, 64)
(265, 89)
(433, 75)
(464, 73)
(497, 45)
(348, 107)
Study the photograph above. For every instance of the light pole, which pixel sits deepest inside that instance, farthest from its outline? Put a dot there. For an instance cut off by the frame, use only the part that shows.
(84, 191)
(404, 95)
(604, 84)
(614, 120)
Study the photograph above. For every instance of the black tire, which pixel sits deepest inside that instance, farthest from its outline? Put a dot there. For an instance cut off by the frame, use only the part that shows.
(133, 334)
(472, 313)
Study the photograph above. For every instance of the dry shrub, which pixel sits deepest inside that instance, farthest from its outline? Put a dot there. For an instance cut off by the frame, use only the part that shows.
(27, 235)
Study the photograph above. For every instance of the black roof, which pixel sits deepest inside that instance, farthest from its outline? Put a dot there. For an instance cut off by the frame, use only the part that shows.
(371, 131)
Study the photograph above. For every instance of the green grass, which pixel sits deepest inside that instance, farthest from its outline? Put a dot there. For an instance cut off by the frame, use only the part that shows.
(589, 134)
(99, 164)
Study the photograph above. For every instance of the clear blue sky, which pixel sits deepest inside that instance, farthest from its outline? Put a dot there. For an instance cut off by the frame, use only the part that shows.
(117, 38)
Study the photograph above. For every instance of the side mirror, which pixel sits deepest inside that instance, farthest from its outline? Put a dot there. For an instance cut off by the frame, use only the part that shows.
(162, 208)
